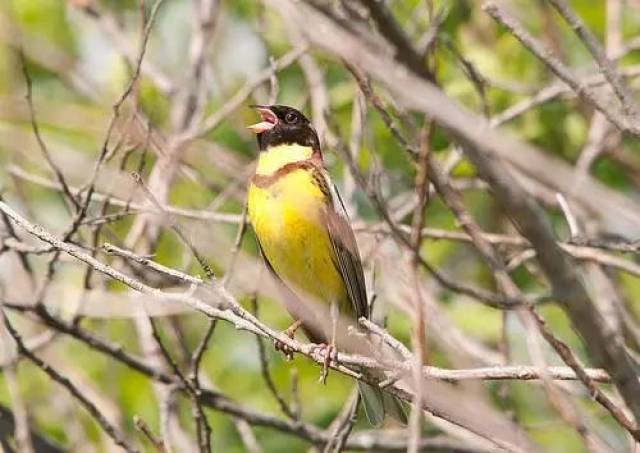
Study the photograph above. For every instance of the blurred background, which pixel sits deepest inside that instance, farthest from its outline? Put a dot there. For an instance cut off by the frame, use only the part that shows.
(181, 127)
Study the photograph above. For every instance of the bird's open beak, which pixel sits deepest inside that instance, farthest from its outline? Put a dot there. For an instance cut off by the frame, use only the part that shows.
(269, 120)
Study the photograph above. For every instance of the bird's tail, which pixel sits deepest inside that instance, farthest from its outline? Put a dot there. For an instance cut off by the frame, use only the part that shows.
(377, 403)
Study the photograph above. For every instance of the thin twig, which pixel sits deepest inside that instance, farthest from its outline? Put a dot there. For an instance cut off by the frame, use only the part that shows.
(91, 408)
(266, 373)
(606, 66)
(175, 227)
(144, 261)
(90, 185)
(612, 113)
(212, 121)
(342, 425)
(141, 426)
(36, 131)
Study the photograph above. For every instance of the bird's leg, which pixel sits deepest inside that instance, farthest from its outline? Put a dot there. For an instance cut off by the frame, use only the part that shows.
(329, 350)
(290, 332)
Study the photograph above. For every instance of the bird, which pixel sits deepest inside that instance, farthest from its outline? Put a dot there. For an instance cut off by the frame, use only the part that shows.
(307, 243)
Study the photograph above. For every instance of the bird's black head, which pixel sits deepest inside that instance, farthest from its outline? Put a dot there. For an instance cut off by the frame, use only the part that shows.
(283, 125)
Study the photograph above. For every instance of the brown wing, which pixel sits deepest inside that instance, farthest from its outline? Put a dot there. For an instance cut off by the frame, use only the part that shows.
(345, 254)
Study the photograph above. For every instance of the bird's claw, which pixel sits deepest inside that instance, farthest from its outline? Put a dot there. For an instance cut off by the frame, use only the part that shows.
(329, 354)
(283, 348)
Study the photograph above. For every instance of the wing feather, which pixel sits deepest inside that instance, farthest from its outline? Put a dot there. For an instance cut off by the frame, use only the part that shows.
(345, 254)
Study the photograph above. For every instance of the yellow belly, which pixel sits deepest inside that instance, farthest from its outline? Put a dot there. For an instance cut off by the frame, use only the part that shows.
(286, 218)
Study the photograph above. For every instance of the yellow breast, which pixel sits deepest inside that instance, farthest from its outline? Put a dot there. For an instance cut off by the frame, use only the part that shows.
(287, 219)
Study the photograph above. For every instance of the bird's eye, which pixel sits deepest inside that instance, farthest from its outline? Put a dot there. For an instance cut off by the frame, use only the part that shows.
(291, 118)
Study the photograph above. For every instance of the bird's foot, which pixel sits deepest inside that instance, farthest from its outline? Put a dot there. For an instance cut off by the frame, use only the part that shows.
(329, 354)
(283, 348)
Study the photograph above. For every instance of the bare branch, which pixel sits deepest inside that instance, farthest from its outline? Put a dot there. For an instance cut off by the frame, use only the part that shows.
(481, 145)
(612, 113)
(607, 67)
(91, 408)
